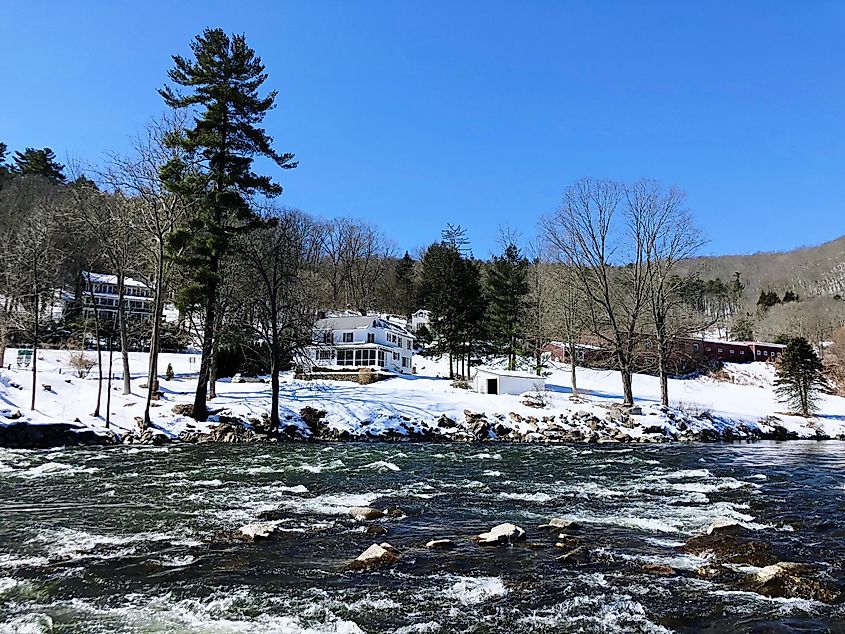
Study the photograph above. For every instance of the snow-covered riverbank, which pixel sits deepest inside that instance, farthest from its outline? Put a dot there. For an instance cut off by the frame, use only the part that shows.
(427, 406)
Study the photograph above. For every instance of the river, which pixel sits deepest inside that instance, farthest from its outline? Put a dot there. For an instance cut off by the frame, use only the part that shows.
(134, 539)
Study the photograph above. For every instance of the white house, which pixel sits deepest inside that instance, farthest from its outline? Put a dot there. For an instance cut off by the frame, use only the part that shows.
(138, 297)
(496, 381)
(420, 318)
(355, 341)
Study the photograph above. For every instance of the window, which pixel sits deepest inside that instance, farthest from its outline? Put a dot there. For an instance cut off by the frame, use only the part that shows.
(695, 347)
(396, 356)
(381, 358)
(648, 344)
(327, 336)
(759, 353)
(347, 337)
(720, 350)
(324, 355)
(742, 351)
(732, 350)
(408, 344)
(404, 362)
(365, 357)
(345, 357)
(708, 349)
(765, 353)
(371, 337)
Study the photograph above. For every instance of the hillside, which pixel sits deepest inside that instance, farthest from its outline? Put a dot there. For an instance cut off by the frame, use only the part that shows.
(809, 271)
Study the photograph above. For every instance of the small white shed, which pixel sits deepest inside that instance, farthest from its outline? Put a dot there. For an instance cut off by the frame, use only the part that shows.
(495, 381)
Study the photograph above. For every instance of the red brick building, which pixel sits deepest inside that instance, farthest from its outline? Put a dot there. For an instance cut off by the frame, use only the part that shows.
(688, 354)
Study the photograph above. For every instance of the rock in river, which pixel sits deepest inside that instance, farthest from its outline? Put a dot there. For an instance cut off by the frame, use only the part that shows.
(376, 555)
(255, 532)
(440, 544)
(502, 534)
(362, 513)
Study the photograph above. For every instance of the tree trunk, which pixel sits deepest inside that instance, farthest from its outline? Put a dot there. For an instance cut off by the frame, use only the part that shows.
(124, 335)
(200, 410)
(155, 335)
(274, 379)
(572, 364)
(4, 330)
(627, 385)
(108, 383)
(212, 370)
(96, 310)
(35, 348)
(662, 362)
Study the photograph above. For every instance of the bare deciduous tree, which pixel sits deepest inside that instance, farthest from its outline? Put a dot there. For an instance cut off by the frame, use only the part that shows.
(281, 308)
(670, 236)
(603, 237)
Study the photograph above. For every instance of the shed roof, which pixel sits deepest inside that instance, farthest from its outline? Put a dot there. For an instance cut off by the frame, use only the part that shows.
(511, 373)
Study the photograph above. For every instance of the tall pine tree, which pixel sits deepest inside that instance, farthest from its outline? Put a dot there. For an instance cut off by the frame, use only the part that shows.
(405, 284)
(800, 377)
(221, 86)
(40, 163)
(507, 289)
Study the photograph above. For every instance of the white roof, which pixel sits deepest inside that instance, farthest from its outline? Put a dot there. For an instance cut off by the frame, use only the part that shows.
(353, 322)
(511, 373)
(103, 278)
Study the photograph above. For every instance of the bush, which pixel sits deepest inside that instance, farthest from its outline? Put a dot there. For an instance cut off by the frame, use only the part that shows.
(365, 376)
(81, 363)
(168, 373)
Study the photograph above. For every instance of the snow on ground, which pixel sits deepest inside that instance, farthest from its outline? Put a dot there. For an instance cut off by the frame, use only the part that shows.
(386, 404)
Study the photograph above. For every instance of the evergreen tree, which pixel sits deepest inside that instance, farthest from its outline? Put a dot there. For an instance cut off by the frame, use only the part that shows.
(450, 288)
(735, 290)
(507, 289)
(4, 150)
(789, 296)
(800, 377)
(221, 86)
(405, 284)
(767, 300)
(742, 330)
(39, 162)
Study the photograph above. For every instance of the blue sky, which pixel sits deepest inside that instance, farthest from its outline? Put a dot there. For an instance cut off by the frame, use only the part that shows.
(479, 113)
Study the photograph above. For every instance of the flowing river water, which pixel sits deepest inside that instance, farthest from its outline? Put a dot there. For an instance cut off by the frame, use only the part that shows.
(133, 539)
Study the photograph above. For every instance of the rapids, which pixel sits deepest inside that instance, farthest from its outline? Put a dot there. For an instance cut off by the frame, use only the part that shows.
(134, 539)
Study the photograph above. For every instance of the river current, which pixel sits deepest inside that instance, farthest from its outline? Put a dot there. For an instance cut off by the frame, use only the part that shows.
(134, 539)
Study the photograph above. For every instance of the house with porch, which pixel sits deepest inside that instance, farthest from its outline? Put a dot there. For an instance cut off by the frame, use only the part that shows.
(351, 342)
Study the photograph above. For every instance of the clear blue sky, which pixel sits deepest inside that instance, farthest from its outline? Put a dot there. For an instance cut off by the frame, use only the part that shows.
(414, 114)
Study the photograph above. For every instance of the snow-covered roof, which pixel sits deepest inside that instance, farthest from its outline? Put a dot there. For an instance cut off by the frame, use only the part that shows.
(353, 322)
(511, 373)
(104, 278)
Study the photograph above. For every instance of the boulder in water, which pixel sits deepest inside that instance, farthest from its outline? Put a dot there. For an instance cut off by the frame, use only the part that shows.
(362, 513)
(375, 556)
(376, 530)
(561, 524)
(790, 580)
(502, 534)
(255, 532)
(578, 556)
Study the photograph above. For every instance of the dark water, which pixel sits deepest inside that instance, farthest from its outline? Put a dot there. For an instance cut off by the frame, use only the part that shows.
(128, 540)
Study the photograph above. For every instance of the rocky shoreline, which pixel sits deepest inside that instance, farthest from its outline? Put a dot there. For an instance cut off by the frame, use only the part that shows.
(614, 424)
